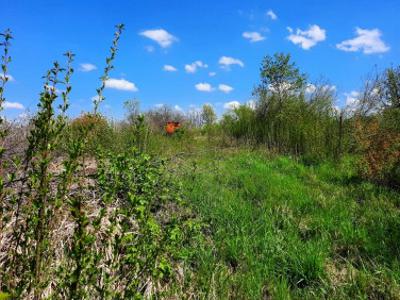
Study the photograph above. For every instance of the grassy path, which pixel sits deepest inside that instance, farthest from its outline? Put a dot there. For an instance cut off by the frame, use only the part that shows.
(281, 230)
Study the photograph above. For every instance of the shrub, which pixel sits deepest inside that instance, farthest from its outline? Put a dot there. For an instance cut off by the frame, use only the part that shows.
(78, 226)
(377, 130)
(95, 129)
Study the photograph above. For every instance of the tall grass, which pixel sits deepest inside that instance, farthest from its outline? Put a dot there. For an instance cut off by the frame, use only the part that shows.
(282, 230)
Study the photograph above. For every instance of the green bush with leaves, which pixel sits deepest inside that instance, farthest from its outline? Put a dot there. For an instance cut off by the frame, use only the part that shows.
(94, 128)
(75, 225)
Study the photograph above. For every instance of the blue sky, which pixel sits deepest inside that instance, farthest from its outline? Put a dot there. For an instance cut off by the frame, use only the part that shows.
(215, 46)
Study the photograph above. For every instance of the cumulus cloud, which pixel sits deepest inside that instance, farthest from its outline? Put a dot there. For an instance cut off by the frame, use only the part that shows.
(12, 105)
(310, 88)
(169, 68)
(352, 98)
(178, 108)
(121, 84)
(337, 108)
(226, 62)
(192, 68)
(160, 36)
(225, 88)
(87, 67)
(53, 89)
(95, 98)
(283, 87)
(231, 105)
(204, 87)
(251, 104)
(212, 74)
(253, 36)
(23, 116)
(367, 41)
(331, 88)
(272, 15)
(307, 39)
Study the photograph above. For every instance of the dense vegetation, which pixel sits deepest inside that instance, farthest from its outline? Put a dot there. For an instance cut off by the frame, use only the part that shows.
(286, 197)
(283, 230)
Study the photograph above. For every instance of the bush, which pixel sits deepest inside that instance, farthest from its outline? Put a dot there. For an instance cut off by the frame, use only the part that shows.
(95, 129)
(380, 148)
(74, 225)
(377, 130)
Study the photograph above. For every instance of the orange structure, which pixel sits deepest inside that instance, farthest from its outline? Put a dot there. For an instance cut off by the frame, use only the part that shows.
(171, 127)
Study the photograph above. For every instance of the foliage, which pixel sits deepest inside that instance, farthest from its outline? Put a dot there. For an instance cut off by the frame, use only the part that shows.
(75, 225)
(376, 129)
(95, 129)
(286, 118)
(109, 66)
(208, 115)
(280, 77)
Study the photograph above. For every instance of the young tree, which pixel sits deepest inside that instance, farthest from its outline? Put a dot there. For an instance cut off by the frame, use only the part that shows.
(132, 110)
(280, 76)
(281, 88)
(208, 115)
(392, 87)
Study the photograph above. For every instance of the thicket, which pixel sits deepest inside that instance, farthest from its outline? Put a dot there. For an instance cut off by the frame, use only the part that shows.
(79, 220)
(294, 117)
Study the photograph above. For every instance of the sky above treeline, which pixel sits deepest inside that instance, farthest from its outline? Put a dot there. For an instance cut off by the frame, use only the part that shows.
(187, 53)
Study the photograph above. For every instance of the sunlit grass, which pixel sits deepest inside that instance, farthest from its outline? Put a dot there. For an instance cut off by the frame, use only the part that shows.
(280, 229)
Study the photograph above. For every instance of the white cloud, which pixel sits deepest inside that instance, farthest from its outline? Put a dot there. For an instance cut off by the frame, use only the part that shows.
(212, 74)
(204, 87)
(12, 105)
(178, 108)
(8, 76)
(375, 92)
(251, 104)
(23, 116)
(310, 88)
(226, 62)
(194, 108)
(149, 49)
(192, 68)
(367, 41)
(169, 68)
(336, 108)
(283, 87)
(307, 39)
(121, 84)
(352, 98)
(231, 105)
(253, 36)
(331, 88)
(95, 98)
(86, 67)
(225, 88)
(53, 89)
(272, 15)
(160, 36)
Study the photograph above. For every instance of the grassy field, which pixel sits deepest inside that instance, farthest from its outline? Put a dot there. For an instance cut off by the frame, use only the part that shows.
(92, 208)
(278, 229)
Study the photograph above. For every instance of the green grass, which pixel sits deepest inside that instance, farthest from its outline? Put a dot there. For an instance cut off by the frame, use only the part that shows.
(280, 230)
